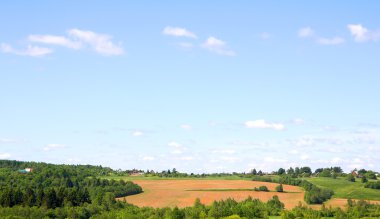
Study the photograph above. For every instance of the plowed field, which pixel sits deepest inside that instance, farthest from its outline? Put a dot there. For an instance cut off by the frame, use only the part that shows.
(182, 193)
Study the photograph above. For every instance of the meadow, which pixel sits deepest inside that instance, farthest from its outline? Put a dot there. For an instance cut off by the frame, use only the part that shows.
(345, 189)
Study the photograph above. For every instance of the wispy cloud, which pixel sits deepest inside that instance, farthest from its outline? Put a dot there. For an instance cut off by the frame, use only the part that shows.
(330, 41)
(9, 141)
(305, 32)
(224, 151)
(55, 40)
(178, 32)
(50, 147)
(298, 121)
(101, 43)
(76, 39)
(362, 34)
(33, 51)
(137, 133)
(218, 46)
(148, 158)
(186, 127)
(5, 156)
(308, 32)
(262, 124)
(177, 148)
(265, 35)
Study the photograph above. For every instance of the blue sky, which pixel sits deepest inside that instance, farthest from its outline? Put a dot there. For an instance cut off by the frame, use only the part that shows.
(199, 86)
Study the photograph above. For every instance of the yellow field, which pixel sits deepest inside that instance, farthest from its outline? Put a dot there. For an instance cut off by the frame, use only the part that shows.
(170, 193)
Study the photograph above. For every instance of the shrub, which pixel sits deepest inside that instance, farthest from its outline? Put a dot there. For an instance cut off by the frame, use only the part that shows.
(261, 189)
(279, 188)
(351, 178)
(373, 185)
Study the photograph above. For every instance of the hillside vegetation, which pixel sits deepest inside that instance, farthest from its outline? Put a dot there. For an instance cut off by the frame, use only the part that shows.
(345, 189)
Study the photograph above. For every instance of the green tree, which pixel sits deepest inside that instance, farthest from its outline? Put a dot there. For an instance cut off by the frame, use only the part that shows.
(364, 179)
(281, 171)
(279, 188)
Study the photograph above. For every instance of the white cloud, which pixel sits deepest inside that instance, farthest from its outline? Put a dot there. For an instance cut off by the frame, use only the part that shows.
(305, 141)
(55, 40)
(308, 32)
(217, 46)
(179, 32)
(265, 35)
(4, 156)
(262, 124)
(177, 147)
(336, 160)
(275, 160)
(298, 121)
(186, 127)
(229, 159)
(101, 43)
(7, 140)
(50, 147)
(359, 32)
(331, 41)
(175, 144)
(304, 157)
(224, 151)
(33, 51)
(148, 158)
(187, 158)
(362, 34)
(137, 133)
(305, 32)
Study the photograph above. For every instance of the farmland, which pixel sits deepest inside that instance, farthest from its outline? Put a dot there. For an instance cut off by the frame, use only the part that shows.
(182, 193)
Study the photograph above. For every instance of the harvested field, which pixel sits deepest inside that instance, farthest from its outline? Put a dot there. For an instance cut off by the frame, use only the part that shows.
(341, 202)
(182, 193)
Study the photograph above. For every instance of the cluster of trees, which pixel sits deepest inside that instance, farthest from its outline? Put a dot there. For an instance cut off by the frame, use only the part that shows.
(313, 194)
(225, 209)
(355, 209)
(373, 185)
(261, 189)
(249, 208)
(369, 174)
(176, 174)
(53, 186)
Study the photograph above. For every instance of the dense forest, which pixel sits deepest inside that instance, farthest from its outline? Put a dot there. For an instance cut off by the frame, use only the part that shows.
(51, 186)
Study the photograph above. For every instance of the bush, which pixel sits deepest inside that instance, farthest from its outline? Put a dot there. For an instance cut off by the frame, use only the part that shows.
(279, 188)
(261, 189)
(364, 179)
(373, 185)
(351, 178)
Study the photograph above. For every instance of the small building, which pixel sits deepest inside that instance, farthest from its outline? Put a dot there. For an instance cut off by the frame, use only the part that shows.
(26, 170)
(354, 173)
(136, 174)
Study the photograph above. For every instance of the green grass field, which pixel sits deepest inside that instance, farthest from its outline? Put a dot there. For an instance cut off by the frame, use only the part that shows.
(345, 189)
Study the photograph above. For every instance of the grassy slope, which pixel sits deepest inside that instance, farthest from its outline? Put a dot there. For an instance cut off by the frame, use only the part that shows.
(345, 189)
